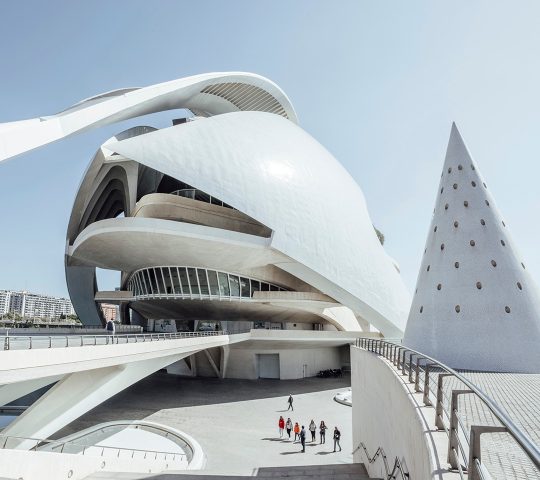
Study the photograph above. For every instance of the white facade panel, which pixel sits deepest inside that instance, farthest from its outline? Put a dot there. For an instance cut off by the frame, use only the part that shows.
(273, 171)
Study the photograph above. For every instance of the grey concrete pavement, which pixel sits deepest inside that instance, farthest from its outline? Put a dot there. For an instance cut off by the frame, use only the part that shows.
(235, 421)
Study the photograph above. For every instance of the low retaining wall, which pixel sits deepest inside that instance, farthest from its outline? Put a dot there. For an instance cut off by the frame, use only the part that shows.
(385, 414)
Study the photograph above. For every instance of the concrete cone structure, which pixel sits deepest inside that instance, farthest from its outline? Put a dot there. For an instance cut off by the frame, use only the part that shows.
(475, 307)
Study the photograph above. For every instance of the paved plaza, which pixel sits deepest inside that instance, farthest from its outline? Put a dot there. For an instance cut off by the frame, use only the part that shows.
(235, 421)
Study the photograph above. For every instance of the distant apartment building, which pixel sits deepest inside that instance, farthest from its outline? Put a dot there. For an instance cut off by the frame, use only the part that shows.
(110, 312)
(32, 305)
(5, 296)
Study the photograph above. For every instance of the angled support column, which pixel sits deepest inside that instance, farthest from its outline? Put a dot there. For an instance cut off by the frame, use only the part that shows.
(76, 394)
(212, 363)
(225, 352)
(13, 391)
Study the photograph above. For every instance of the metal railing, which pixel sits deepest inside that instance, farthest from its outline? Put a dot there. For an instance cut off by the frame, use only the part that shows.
(63, 341)
(398, 468)
(74, 448)
(464, 447)
(105, 431)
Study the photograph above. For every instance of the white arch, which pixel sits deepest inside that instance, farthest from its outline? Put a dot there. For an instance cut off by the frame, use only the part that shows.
(207, 94)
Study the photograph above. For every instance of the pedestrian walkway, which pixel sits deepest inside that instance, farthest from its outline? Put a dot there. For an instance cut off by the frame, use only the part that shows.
(517, 394)
(236, 421)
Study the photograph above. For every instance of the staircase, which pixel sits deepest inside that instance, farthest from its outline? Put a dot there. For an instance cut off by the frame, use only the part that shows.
(342, 471)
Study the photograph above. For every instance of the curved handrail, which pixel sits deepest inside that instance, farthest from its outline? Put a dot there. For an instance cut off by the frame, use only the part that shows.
(164, 432)
(52, 444)
(398, 465)
(521, 438)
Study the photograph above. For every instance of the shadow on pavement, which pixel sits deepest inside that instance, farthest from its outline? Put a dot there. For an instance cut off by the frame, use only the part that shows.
(162, 391)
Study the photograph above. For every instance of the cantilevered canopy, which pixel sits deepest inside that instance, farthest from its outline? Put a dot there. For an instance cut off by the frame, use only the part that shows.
(206, 95)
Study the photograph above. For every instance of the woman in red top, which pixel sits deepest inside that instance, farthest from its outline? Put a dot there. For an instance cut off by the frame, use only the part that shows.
(281, 425)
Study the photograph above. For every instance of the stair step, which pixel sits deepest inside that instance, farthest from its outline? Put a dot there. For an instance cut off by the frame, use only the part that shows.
(341, 471)
(312, 470)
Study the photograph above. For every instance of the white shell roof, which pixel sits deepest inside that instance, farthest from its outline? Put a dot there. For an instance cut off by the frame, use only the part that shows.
(273, 171)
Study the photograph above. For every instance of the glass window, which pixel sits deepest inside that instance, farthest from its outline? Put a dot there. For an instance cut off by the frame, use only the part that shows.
(255, 286)
(165, 280)
(147, 282)
(141, 283)
(224, 284)
(192, 274)
(265, 287)
(235, 286)
(136, 281)
(184, 281)
(212, 278)
(273, 288)
(153, 281)
(175, 281)
(203, 282)
(244, 284)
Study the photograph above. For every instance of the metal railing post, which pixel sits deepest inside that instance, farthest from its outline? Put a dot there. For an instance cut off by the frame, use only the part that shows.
(411, 366)
(417, 377)
(426, 399)
(439, 408)
(397, 356)
(404, 362)
(475, 451)
(30, 346)
(453, 439)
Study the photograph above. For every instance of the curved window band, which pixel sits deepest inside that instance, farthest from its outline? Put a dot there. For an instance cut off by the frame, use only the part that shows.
(193, 282)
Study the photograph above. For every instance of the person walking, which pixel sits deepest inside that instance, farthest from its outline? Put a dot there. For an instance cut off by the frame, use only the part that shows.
(303, 439)
(111, 328)
(322, 431)
(281, 425)
(296, 431)
(337, 436)
(288, 426)
(312, 429)
(290, 402)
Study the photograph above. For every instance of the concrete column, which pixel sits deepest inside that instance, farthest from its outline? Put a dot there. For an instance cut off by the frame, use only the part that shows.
(212, 363)
(225, 353)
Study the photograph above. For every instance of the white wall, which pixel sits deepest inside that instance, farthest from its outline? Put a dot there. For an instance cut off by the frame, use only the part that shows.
(385, 415)
(243, 361)
(298, 326)
(32, 465)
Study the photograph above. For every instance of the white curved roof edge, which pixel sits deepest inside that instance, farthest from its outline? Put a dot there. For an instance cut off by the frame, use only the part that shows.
(110, 107)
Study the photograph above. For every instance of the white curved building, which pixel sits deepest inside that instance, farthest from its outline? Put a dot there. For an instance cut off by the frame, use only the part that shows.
(475, 305)
(232, 214)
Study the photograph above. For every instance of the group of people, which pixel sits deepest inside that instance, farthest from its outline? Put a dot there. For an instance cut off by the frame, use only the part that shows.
(300, 432)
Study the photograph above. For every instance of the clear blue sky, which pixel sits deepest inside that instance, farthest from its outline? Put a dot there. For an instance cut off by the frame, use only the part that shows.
(378, 83)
